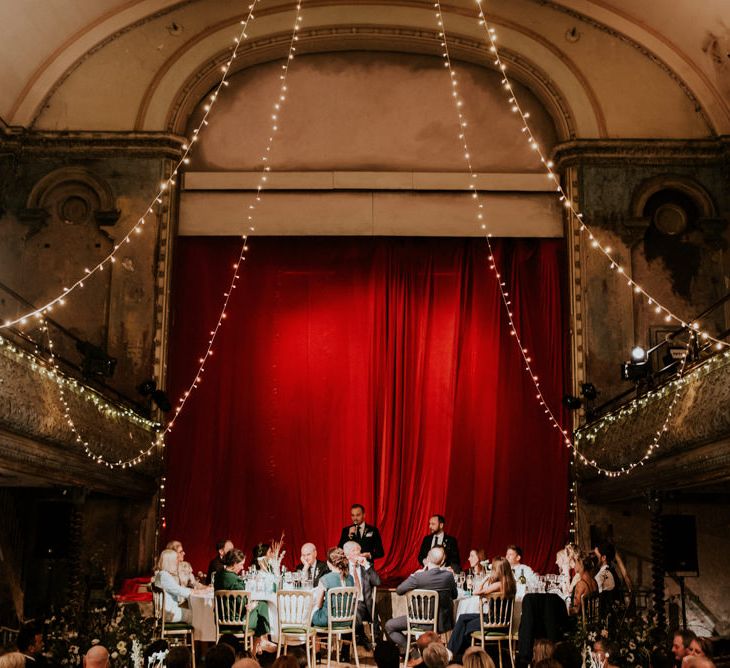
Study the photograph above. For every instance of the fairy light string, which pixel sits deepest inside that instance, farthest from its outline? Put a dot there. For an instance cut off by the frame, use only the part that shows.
(505, 297)
(159, 441)
(568, 203)
(165, 187)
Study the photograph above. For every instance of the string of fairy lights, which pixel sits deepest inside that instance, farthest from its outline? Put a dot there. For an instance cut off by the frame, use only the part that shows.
(159, 441)
(166, 185)
(572, 207)
(505, 297)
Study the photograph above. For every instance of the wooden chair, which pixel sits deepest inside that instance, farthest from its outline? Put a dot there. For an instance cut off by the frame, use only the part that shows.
(341, 616)
(372, 623)
(422, 607)
(495, 622)
(232, 615)
(295, 621)
(590, 609)
(179, 633)
(8, 636)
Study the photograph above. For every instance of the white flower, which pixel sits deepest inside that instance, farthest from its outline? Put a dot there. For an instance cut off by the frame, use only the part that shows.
(114, 655)
(123, 651)
(95, 641)
(632, 645)
(630, 657)
(121, 645)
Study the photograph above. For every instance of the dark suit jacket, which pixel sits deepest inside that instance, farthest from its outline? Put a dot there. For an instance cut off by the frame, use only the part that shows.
(451, 547)
(435, 579)
(215, 565)
(370, 541)
(320, 569)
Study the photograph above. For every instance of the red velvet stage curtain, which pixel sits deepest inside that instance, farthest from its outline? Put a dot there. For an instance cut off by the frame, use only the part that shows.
(371, 370)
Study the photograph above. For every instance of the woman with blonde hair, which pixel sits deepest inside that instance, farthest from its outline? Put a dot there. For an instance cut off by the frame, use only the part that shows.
(166, 578)
(476, 657)
(501, 582)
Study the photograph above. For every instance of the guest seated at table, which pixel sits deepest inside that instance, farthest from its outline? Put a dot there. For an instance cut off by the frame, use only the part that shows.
(339, 576)
(433, 577)
(230, 579)
(574, 555)
(366, 579)
(476, 557)
(522, 572)
(586, 585)
(185, 574)
(312, 568)
(501, 582)
(562, 561)
(216, 563)
(176, 596)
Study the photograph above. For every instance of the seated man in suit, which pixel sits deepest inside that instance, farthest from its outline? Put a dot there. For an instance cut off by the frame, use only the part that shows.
(312, 567)
(216, 563)
(437, 538)
(365, 535)
(365, 579)
(435, 578)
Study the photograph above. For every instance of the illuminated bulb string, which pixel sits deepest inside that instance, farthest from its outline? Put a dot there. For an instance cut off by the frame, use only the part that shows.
(249, 223)
(164, 187)
(571, 206)
(507, 303)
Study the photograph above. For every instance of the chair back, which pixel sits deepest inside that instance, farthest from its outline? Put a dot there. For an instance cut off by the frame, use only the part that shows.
(495, 612)
(294, 608)
(8, 636)
(422, 609)
(341, 607)
(589, 608)
(158, 606)
(230, 608)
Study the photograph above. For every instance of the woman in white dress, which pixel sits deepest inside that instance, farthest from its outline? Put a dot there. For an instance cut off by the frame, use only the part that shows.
(176, 596)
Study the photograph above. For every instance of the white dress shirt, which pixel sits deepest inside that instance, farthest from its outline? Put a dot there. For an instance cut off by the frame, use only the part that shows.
(438, 539)
(604, 579)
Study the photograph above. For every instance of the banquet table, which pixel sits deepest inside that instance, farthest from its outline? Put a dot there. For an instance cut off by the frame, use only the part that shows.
(201, 605)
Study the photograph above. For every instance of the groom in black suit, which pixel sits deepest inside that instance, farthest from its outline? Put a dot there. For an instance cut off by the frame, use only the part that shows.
(437, 538)
(365, 535)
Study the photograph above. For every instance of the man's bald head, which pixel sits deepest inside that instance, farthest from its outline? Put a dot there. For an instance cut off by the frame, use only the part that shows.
(436, 556)
(97, 657)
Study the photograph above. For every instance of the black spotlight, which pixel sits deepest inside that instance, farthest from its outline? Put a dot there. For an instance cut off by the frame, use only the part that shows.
(572, 402)
(589, 391)
(95, 362)
(149, 389)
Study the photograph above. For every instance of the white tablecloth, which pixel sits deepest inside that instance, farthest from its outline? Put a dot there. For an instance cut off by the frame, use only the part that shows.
(201, 604)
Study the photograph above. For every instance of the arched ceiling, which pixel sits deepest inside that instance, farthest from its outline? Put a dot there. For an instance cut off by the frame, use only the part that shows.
(637, 69)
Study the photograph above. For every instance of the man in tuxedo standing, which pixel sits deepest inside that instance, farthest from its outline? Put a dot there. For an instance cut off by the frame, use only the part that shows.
(437, 538)
(434, 577)
(366, 578)
(312, 567)
(365, 535)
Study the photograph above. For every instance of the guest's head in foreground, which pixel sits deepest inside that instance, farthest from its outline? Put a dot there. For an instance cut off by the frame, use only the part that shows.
(568, 655)
(308, 554)
(513, 554)
(386, 654)
(542, 648)
(681, 640)
(286, 661)
(700, 647)
(692, 661)
(436, 524)
(476, 557)
(436, 557)
(29, 640)
(235, 644)
(220, 656)
(16, 660)
(547, 663)
(436, 655)
(476, 657)
(246, 663)
(607, 653)
(178, 657)
(97, 657)
(299, 653)
(337, 561)
(177, 546)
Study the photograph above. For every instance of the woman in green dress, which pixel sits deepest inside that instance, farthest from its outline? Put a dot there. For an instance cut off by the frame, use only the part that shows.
(230, 579)
(339, 576)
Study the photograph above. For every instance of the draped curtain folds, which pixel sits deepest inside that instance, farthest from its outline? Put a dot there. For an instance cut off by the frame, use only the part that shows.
(371, 370)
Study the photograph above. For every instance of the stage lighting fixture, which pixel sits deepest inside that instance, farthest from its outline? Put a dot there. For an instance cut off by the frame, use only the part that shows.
(572, 402)
(589, 391)
(638, 354)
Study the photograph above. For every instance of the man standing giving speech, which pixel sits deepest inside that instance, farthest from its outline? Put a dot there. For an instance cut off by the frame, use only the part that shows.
(365, 535)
